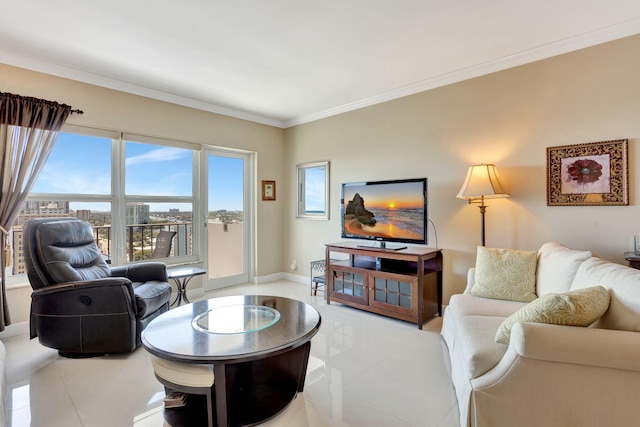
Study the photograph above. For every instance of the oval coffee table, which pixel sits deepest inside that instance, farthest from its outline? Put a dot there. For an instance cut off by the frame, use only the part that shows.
(259, 347)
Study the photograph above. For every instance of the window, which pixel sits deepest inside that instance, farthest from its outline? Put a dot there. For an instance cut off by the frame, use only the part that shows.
(159, 194)
(313, 190)
(156, 170)
(81, 179)
(78, 164)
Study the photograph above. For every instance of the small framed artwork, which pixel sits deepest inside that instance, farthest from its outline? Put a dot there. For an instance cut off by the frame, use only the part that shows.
(592, 174)
(268, 190)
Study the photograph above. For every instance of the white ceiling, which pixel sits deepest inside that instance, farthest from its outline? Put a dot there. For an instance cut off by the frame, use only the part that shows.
(286, 62)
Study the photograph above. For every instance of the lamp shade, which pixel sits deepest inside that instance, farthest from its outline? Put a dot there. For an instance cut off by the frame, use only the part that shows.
(482, 181)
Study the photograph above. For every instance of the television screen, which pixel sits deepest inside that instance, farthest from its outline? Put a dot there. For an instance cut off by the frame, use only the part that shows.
(389, 211)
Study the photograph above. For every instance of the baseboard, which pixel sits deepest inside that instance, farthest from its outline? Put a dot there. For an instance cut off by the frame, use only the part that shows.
(268, 278)
(296, 278)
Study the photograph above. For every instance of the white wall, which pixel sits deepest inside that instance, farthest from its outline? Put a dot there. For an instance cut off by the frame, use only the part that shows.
(507, 118)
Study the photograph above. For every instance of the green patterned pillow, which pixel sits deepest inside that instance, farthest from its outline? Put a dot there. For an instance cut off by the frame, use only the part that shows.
(506, 274)
(581, 307)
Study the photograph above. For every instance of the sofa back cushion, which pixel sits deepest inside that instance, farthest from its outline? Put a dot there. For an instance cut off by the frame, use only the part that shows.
(623, 284)
(557, 267)
(506, 274)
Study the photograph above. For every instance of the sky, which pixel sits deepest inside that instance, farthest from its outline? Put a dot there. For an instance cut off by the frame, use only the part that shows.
(388, 195)
(314, 189)
(81, 164)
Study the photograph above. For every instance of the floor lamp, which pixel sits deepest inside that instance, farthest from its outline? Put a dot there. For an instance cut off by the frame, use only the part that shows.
(482, 183)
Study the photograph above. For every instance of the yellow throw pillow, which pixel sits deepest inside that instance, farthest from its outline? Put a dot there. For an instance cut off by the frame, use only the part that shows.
(581, 307)
(506, 274)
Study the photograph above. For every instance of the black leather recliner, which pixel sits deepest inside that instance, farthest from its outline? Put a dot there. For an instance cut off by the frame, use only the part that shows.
(79, 305)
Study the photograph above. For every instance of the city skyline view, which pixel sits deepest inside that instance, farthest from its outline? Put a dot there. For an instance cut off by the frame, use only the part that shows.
(80, 164)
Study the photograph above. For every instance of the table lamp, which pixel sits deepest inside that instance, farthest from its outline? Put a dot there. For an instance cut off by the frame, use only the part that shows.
(482, 183)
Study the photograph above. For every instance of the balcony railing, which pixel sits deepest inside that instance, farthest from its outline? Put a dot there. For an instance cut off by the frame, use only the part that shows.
(141, 239)
(140, 242)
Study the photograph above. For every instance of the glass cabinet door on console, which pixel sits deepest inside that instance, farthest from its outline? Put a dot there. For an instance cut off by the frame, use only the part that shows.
(394, 292)
(350, 283)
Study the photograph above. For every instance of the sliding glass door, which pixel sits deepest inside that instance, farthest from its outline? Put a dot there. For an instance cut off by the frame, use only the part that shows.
(227, 218)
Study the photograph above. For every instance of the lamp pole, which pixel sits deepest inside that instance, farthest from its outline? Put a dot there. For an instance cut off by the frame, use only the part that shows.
(483, 209)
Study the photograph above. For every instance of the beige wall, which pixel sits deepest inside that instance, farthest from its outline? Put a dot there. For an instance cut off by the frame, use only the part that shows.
(110, 109)
(507, 118)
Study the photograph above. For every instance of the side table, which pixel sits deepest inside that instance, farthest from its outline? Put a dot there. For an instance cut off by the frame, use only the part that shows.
(181, 276)
(633, 259)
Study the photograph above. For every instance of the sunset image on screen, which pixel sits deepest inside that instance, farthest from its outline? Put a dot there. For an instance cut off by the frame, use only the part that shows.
(392, 210)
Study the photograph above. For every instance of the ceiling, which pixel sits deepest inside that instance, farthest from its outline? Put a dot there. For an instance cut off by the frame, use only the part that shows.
(287, 62)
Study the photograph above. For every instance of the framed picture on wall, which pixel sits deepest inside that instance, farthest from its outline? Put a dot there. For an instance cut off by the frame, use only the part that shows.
(268, 190)
(592, 174)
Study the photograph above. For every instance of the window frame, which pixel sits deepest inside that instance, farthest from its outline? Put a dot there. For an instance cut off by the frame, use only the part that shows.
(118, 200)
(301, 205)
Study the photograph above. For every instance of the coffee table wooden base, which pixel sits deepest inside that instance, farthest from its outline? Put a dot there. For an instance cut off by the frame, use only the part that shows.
(261, 389)
(256, 391)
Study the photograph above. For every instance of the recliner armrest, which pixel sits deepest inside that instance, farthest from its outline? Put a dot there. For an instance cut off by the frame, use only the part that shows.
(85, 284)
(109, 296)
(142, 272)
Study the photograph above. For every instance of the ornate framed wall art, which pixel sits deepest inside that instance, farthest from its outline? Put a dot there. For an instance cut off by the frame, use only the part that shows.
(591, 174)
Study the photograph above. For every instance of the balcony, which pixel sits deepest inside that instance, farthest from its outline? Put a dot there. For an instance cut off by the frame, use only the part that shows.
(141, 239)
(140, 242)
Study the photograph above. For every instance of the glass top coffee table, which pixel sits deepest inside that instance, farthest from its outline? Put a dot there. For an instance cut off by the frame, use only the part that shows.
(259, 347)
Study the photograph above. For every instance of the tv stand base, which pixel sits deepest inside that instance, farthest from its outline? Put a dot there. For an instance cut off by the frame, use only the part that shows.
(404, 284)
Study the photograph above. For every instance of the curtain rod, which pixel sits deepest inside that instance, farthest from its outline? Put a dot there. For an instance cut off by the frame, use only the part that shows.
(30, 98)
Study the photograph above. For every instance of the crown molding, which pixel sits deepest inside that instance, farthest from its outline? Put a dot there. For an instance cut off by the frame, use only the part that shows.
(607, 34)
(45, 67)
(593, 38)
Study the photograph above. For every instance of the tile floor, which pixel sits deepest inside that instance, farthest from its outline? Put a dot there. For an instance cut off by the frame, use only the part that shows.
(364, 370)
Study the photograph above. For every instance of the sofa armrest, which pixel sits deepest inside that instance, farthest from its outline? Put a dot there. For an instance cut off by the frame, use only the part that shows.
(142, 272)
(581, 376)
(583, 346)
(573, 345)
(471, 279)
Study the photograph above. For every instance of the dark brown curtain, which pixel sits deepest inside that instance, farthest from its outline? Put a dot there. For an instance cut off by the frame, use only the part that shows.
(29, 128)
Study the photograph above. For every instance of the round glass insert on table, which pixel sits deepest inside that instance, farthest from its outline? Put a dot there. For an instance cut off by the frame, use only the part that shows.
(236, 319)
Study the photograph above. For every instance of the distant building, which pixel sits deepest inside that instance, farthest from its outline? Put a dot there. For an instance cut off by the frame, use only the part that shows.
(31, 210)
(137, 213)
(174, 211)
(83, 214)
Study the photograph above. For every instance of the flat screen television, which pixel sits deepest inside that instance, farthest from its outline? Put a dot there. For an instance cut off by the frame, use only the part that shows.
(386, 211)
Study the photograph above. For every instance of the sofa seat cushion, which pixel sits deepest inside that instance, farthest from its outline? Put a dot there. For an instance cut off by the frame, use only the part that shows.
(580, 307)
(476, 345)
(150, 296)
(557, 267)
(623, 284)
(470, 305)
(506, 274)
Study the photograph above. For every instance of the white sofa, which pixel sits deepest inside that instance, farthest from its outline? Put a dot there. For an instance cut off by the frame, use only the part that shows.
(549, 375)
